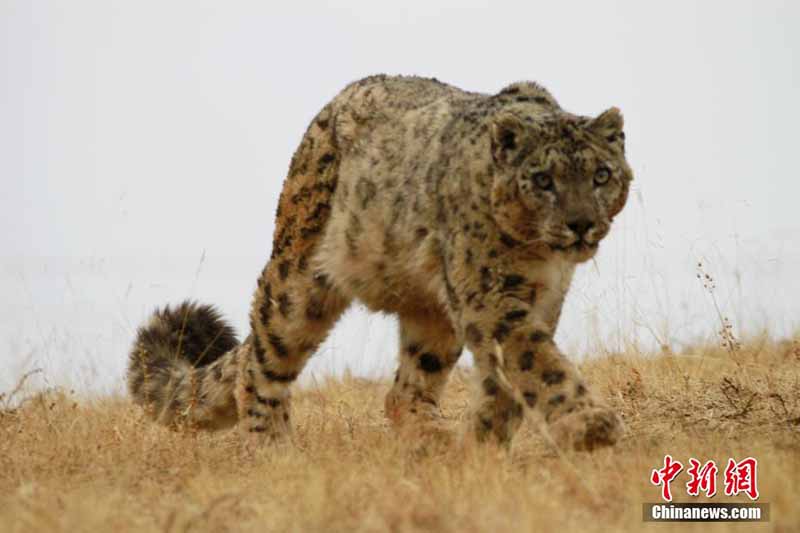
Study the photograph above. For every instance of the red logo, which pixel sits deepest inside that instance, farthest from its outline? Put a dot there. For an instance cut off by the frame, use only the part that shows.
(739, 477)
(742, 477)
(665, 475)
(702, 478)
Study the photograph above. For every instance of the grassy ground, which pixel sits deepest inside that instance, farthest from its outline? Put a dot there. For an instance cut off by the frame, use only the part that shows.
(73, 465)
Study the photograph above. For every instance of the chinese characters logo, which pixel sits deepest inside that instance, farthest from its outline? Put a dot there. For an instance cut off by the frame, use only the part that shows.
(738, 477)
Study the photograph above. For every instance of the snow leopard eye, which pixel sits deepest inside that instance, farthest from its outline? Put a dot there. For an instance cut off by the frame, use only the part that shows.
(543, 180)
(602, 175)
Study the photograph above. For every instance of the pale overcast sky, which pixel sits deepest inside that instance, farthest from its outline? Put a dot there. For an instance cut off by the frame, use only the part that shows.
(138, 137)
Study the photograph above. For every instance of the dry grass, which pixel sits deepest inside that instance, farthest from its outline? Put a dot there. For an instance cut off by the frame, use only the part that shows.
(72, 465)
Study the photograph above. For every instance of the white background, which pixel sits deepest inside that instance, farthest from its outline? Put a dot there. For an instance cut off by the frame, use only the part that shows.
(143, 145)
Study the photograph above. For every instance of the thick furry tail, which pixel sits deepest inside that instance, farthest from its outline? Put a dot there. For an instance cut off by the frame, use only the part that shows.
(183, 365)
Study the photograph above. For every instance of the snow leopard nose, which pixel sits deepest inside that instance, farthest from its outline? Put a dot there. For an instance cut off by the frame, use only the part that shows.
(580, 226)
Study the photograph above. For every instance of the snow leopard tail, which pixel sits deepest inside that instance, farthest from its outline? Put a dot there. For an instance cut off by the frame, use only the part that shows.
(183, 366)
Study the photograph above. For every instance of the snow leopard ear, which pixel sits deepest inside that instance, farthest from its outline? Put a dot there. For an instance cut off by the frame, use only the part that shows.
(609, 125)
(507, 132)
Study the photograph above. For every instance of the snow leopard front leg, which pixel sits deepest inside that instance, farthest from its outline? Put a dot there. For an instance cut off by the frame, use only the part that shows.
(508, 324)
(429, 349)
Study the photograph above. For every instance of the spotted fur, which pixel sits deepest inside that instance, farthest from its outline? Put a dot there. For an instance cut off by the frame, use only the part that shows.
(464, 214)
